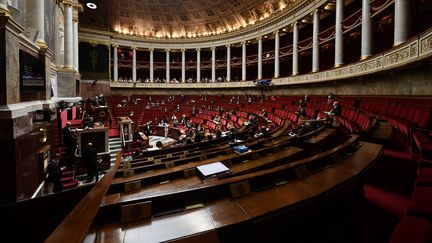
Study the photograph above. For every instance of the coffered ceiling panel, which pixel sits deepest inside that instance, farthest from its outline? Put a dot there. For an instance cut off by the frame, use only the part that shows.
(179, 18)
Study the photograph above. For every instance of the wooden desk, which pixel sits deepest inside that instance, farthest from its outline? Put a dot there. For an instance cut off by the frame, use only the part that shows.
(98, 136)
(227, 212)
(173, 132)
(101, 115)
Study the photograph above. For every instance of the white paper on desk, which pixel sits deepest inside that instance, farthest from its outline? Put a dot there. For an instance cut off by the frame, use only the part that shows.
(213, 168)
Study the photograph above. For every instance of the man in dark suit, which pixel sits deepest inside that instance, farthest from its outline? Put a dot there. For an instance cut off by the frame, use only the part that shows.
(54, 173)
(336, 110)
(90, 157)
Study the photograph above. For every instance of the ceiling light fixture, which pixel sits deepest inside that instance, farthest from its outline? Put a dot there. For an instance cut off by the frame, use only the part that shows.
(91, 6)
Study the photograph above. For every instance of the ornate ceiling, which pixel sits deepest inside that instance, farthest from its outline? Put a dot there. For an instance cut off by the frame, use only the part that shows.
(179, 18)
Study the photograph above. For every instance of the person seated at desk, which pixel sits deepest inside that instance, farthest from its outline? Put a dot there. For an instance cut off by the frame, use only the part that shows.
(137, 135)
(218, 131)
(88, 123)
(263, 131)
(217, 119)
(301, 111)
(334, 113)
(101, 100)
(174, 119)
(183, 120)
(336, 110)
(264, 113)
(96, 101)
(148, 130)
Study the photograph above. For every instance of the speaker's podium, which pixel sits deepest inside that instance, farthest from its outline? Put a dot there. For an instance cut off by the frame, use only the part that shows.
(98, 136)
(125, 124)
(101, 115)
(212, 170)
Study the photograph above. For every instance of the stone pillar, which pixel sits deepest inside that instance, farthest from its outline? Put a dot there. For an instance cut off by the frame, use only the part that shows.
(167, 70)
(183, 68)
(151, 65)
(75, 43)
(76, 9)
(213, 63)
(198, 61)
(295, 50)
(35, 15)
(115, 63)
(338, 33)
(315, 42)
(9, 61)
(401, 21)
(259, 58)
(244, 61)
(276, 55)
(366, 34)
(228, 76)
(134, 67)
(68, 35)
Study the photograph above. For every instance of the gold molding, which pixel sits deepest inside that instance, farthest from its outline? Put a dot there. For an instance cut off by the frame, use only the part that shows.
(364, 57)
(4, 11)
(42, 44)
(415, 50)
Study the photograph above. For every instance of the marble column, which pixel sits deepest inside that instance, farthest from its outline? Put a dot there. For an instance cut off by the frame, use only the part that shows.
(213, 63)
(183, 67)
(228, 76)
(68, 36)
(115, 63)
(366, 31)
(315, 42)
(75, 43)
(198, 63)
(167, 70)
(339, 33)
(35, 15)
(151, 65)
(259, 58)
(134, 66)
(244, 61)
(401, 21)
(295, 50)
(276, 55)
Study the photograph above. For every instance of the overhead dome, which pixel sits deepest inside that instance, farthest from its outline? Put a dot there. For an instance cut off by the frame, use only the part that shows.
(179, 18)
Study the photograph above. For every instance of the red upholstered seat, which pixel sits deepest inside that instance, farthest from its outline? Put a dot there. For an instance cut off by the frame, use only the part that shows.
(391, 202)
(412, 230)
(424, 177)
(421, 202)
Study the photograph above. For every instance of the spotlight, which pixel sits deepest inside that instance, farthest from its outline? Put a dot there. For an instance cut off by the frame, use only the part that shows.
(91, 6)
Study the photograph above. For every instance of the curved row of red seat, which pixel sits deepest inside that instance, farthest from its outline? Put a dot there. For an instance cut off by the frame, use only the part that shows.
(416, 225)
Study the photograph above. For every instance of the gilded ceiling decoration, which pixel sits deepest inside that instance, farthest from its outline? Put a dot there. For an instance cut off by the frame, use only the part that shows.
(179, 18)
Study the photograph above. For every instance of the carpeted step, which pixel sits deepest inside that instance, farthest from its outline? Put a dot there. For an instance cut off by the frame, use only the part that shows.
(66, 179)
(70, 185)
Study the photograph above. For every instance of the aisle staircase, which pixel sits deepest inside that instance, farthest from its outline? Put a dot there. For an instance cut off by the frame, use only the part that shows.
(67, 178)
(114, 146)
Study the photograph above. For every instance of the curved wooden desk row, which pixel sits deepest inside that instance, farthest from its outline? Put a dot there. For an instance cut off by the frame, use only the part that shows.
(202, 145)
(194, 154)
(183, 156)
(327, 171)
(258, 148)
(75, 226)
(180, 191)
